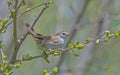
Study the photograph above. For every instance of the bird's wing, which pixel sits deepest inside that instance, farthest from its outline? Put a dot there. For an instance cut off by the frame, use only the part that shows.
(54, 39)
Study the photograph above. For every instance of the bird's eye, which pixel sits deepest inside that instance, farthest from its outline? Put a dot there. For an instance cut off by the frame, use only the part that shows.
(63, 33)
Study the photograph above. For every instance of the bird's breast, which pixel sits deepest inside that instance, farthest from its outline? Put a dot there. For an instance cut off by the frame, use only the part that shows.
(61, 41)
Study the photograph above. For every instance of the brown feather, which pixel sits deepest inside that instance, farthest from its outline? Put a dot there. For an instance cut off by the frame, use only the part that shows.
(32, 31)
(55, 39)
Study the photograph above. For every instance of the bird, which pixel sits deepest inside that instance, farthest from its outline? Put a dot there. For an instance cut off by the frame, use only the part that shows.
(48, 42)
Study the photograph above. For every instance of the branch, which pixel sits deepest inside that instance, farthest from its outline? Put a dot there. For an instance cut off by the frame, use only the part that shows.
(29, 9)
(14, 16)
(34, 57)
(1, 55)
(26, 33)
(19, 5)
(2, 60)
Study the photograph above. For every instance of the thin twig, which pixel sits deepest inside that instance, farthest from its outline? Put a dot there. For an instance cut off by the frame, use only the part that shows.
(19, 5)
(34, 57)
(26, 33)
(2, 59)
(48, 53)
(99, 36)
(1, 55)
(23, 12)
(16, 3)
(29, 9)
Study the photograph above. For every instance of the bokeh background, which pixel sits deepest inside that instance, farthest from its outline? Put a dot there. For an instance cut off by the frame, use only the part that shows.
(85, 19)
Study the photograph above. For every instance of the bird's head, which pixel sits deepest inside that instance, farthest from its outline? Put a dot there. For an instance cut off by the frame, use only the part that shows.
(63, 34)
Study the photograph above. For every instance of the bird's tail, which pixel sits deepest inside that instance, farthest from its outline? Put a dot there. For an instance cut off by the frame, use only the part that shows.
(32, 31)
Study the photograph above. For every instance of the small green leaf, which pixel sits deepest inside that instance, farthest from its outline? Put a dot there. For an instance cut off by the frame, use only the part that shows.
(26, 57)
(88, 40)
(71, 45)
(49, 2)
(28, 9)
(5, 57)
(1, 44)
(79, 46)
(97, 41)
(12, 13)
(117, 33)
(1, 68)
(55, 69)
(1, 23)
(8, 72)
(17, 64)
(45, 56)
(4, 30)
(73, 53)
(30, 58)
(23, 3)
(110, 36)
(109, 68)
(9, 2)
(8, 69)
(5, 20)
(107, 32)
(55, 53)
(5, 63)
(46, 59)
(45, 72)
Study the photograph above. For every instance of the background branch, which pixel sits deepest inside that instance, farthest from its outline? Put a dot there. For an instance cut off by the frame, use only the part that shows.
(74, 29)
(88, 54)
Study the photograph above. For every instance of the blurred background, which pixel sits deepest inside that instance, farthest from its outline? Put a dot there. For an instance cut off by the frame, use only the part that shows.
(83, 19)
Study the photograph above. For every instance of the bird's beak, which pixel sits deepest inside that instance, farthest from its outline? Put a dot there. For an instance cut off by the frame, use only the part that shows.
(68, 34)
